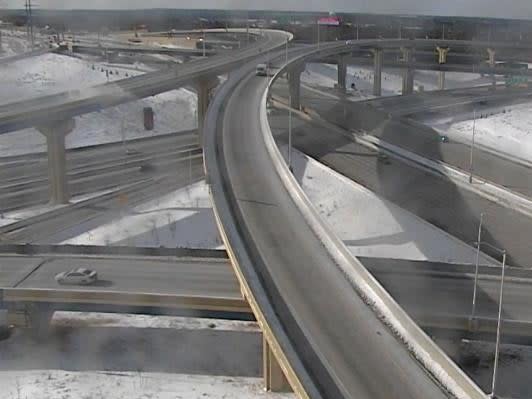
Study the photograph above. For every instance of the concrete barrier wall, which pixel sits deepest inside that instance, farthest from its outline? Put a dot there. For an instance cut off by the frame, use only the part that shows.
(30, 249)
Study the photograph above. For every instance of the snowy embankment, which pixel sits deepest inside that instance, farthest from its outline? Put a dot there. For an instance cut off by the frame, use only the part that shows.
(54, 384)
(508, 132)
(51, 73)
(371, 226)
(183, 218)
(326, 75)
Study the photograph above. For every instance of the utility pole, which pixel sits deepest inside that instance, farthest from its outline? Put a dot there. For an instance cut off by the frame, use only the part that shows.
(499, 323)
(247, 27)
(290, 133)
(204, 38)
(318, 25)
(476, 266)
(29, 17)
(472, 148)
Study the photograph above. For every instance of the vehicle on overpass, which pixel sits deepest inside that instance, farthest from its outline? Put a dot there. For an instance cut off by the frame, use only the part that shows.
(262, 70)
(79, 276)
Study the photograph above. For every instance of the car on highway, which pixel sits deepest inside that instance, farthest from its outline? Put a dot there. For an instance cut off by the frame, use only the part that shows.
(79, 276)
(262, 70)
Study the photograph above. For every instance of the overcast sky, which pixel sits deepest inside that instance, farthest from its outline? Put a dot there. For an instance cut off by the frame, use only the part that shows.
(482, 8)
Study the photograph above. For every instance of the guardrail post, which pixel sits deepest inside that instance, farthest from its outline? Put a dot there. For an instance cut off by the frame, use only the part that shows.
(274, 378)
(55, 133)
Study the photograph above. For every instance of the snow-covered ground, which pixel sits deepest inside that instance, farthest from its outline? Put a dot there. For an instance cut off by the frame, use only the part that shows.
(509, 131)
(326, 75)
(174, 110)
(114, 320)
(13, 42)
(183, 218)
(371, 226)
(56, 384)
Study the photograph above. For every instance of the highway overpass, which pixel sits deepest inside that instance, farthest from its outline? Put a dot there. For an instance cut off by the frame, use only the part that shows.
(313, 300)
(202, 282)
(309, 294)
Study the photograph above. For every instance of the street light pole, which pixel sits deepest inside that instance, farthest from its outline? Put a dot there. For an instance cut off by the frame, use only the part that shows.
(472, 148)
(476, 266)
(203, 42)
(290, 133)
(499, 322)
(318, 24)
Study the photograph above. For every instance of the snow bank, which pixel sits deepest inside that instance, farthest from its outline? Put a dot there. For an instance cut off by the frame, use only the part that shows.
(54, 384)
(371, 226)
(183, 218)
(105, 320)
(508, 132)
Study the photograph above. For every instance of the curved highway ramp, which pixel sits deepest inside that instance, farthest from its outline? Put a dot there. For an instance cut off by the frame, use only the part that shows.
(302, 284)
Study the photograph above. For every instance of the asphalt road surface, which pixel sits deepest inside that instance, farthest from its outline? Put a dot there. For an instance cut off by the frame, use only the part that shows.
(200, 277)
(446, 289)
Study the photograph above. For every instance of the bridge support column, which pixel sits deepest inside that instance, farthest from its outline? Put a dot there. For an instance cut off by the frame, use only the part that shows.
(442, 59)
(274, 378)
(39, 317)
(203, 89)
(408, 75)
(377, 73)
(441, 80)
(491, 62)
(294, 85)
(342, 74)
(55, 133)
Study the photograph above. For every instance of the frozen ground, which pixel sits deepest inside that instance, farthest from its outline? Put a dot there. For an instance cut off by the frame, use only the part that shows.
(13, 42)
(174, 110)
(54, 384)
(183, 218)
(325, 75)
(114, 320)
(371, 226)
(508, 132)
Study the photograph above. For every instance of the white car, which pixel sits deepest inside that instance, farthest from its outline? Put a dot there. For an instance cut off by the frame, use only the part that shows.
(80, 276)
(262, 70)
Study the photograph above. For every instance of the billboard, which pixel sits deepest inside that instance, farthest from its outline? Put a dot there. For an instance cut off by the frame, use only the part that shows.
(329, 21)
